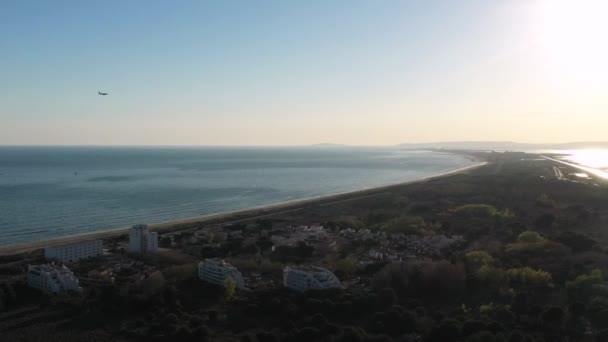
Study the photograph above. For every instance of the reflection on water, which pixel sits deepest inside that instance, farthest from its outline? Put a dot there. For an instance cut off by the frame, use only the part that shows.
(591, 158)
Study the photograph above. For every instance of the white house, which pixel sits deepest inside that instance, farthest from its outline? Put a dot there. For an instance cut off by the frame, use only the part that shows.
(302, 278)
(216, 271)
(142, 241)
(52, 279)
(75, 251)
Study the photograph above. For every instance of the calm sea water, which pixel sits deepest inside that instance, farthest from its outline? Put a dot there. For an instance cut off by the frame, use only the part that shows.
(48, 192)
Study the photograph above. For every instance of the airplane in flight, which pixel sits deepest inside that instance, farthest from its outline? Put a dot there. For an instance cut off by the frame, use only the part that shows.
(102, 94)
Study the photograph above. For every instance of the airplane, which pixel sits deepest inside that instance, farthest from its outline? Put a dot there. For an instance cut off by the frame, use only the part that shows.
(102, 94)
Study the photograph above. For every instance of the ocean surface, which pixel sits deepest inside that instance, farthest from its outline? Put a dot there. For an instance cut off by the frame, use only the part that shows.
(48, 192)
(597, 159)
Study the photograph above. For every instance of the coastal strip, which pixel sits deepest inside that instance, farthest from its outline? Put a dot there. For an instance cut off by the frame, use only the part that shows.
(230, 216)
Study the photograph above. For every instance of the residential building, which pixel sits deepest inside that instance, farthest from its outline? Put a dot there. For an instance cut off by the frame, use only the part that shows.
(302, 278)
(52, 278)
(74, 252)
(216, 271)
(141, 240)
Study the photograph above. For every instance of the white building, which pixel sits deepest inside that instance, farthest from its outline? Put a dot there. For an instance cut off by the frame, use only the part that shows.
(302, 278)
(75, 251)
(216, 271)
(52, 279)
(142, 241)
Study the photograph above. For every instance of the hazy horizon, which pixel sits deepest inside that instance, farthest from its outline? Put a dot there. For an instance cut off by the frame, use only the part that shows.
(581, 144)
(272, 73)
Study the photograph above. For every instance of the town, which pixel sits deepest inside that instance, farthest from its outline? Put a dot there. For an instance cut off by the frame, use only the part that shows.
(314, 242)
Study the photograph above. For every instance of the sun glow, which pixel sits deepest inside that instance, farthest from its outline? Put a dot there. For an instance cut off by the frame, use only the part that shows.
(592, 158)
(572, 41)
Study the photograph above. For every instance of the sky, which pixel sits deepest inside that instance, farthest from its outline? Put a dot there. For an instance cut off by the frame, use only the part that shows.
(302, 72)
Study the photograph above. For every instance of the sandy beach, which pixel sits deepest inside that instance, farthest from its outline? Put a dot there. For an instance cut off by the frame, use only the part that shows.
(230, 216)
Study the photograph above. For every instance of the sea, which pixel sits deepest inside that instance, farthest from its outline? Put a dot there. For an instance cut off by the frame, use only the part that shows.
(50, 192)
(593, 158)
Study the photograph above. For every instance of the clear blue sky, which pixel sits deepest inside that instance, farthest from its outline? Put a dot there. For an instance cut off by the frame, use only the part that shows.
(299, 72)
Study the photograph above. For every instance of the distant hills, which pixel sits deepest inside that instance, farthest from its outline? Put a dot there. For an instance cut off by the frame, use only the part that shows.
(505, 145)
(481, 145)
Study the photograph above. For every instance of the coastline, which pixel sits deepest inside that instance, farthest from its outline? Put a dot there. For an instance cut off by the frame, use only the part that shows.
(232, 216)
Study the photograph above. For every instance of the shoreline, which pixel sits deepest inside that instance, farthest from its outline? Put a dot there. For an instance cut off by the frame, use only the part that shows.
(231, 216)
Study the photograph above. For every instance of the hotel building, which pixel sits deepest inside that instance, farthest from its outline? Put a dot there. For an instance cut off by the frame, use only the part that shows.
(302, 278)
(74, 252)
(52, 279)
(216, 271)
(142, 241)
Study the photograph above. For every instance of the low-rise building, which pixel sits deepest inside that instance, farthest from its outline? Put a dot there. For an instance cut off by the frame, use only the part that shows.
(141, 240)
(52, 278)
(74, 252)
(302, 278)
(216, 271)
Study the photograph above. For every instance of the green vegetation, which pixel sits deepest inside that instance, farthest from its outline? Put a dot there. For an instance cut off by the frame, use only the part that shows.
(587, 286)
(230, 285)
(482, 210)
(410, 225)
(491, 276)
(529, 277)
(485, 309)
(532, 244)
(530, 237)
(346, 267)
(477, 259)
(544, 200)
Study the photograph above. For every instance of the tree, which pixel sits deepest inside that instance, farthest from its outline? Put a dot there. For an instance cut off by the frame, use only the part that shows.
(528, 276)
(476, 259)
(387, 297)
(545, 201)
(491, 276)
(230, 285)
(347, 266)
(553, 316)
(530, 237)
(577, 242)
(165, 242)
(482, 210)
(588, 285)
(446, 331)
(405, 224)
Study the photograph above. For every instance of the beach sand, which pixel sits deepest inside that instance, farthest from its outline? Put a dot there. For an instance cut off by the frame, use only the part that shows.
(226, 217)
